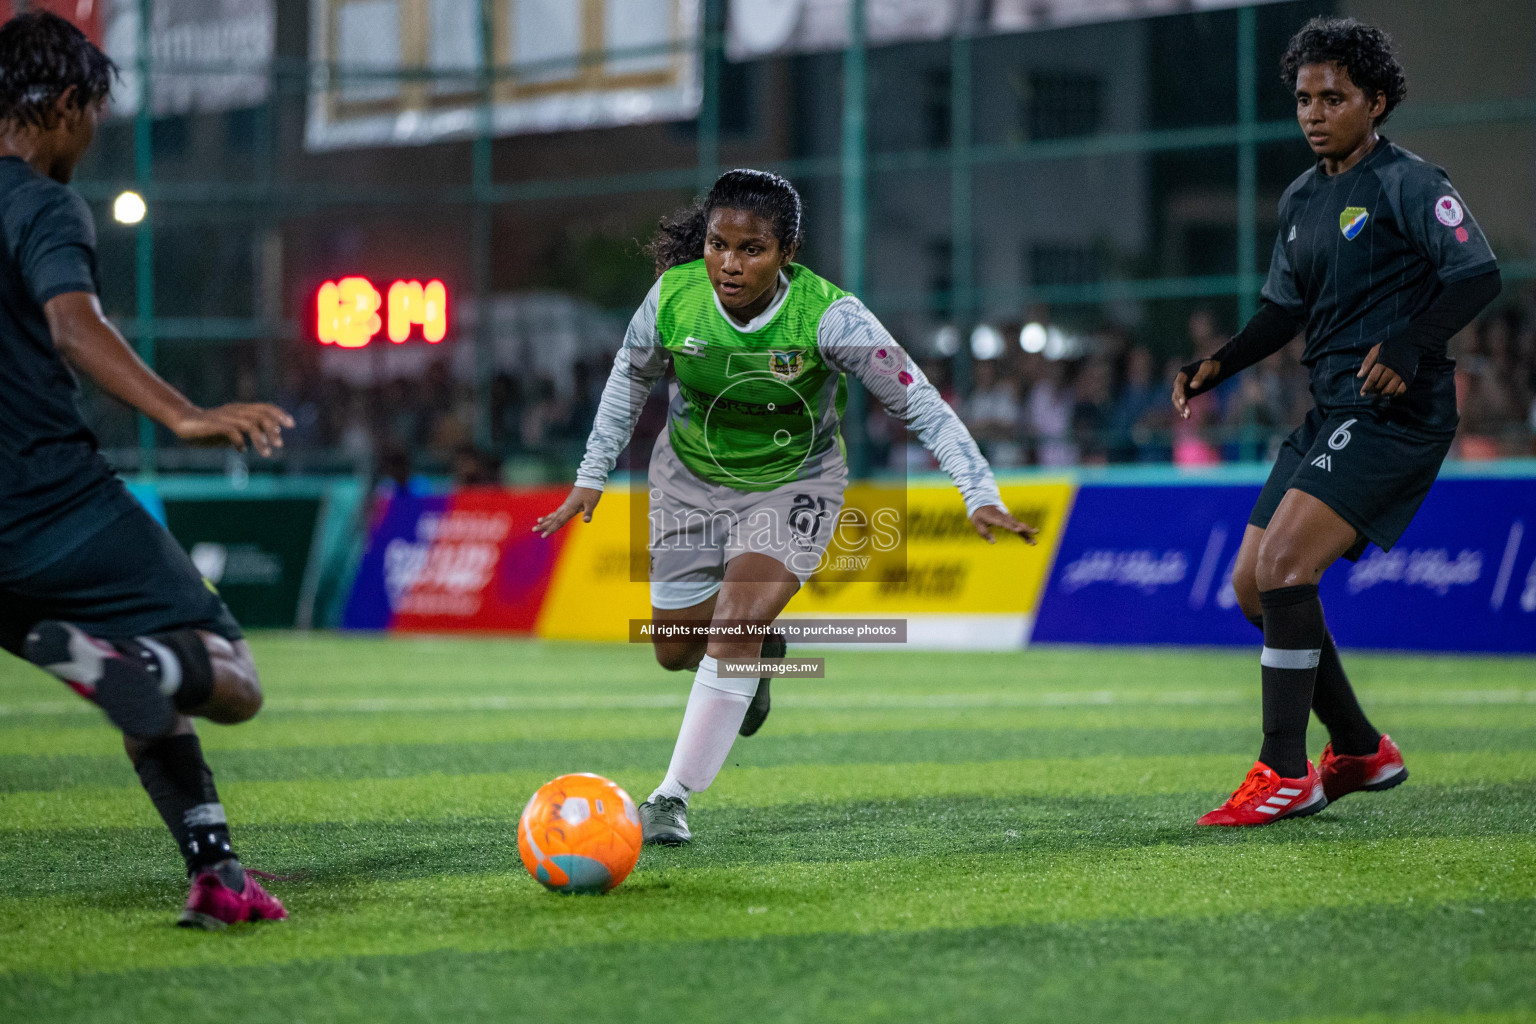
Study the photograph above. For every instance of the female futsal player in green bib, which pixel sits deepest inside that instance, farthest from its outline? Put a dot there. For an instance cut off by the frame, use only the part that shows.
(747, 481)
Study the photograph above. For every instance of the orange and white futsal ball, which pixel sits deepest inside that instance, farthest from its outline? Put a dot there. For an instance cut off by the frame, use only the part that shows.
(579, 833)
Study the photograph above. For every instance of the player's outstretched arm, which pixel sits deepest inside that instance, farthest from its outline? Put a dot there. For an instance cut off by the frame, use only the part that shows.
(1187, 385)
(581, 499)
(1265, 334)
(853, 340)
(85, 337)
(989, 516)
(640, 363)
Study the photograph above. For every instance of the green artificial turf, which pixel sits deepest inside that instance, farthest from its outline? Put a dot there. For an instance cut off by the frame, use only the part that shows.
(920, 836)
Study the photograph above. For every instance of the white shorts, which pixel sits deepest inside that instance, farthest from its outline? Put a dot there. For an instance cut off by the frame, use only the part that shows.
(696, 527)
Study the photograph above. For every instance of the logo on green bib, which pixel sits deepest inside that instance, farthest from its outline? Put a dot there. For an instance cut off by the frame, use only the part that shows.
(786, 366)
(1352, 220)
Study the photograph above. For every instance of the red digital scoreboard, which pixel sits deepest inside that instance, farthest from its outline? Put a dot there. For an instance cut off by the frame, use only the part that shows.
(83, 14)
(352, 312)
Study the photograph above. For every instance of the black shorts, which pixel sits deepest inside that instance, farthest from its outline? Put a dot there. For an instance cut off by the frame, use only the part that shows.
(1373, 472)
(129, 579)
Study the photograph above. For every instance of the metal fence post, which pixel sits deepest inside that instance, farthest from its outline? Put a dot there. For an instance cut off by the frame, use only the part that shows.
(1247, 163)
(854, 174)
(962, 261)
(144, 233)
(712, 52)
(480, 228)
(1247, 189)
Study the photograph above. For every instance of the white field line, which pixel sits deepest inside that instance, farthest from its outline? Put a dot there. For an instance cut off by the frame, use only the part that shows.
(819, 702)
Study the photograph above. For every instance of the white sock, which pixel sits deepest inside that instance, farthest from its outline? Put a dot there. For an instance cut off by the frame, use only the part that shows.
(715, 709)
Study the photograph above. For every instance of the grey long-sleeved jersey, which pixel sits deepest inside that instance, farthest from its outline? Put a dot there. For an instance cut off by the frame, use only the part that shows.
(851, 340)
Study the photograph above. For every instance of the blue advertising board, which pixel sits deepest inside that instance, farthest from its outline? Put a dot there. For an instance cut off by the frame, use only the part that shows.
(1152, 564)
(397, 545)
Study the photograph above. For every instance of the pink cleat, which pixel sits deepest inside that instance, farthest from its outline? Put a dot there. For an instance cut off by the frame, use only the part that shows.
(213, 904)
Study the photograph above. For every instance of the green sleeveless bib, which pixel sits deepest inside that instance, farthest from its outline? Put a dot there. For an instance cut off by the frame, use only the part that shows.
(757, 406)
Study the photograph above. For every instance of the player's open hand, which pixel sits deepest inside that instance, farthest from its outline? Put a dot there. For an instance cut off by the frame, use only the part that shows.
(989, 516)
(1379, 377)
(257, 423)
(1183, 384)
(581, 499)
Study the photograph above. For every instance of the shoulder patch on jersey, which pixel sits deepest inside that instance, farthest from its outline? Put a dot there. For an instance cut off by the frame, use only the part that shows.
(1448, 211)
(1352, 220)
(885, 360)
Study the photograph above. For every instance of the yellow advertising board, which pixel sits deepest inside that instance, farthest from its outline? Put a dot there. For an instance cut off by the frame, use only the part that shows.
(897, 551)
(594, 594)
(942, 567)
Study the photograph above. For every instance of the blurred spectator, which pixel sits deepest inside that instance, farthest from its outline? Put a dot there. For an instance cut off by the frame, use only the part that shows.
(402, 422)
(544, 417)
(1255, 411)
(1141, 396)
(356, 440)
(474, 467)
(1482, 393)
(1204, 336)
(1048, 417)
(1092, 409)
(1111, 403)
(992, 411)
(506, 409)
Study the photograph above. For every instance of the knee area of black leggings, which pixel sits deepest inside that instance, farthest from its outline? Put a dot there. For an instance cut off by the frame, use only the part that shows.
(1285, 597)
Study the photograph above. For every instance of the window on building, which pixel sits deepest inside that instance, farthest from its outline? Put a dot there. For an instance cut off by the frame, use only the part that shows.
(1060, 105)
(368, 40)
(546, 39)
(240, 127)
(453, 44)
(935, 111)
(1052, 264)
(644, 25)
(170, 136)
(941, 278)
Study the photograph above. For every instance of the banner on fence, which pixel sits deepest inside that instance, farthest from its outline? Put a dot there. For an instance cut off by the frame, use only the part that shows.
(256, 551)
(1131, 563)
(467, 561)
(1153, 565)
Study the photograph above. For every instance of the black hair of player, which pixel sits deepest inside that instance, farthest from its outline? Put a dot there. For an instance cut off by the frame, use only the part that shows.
(41, 57)
(1363, 51)
(679, 239)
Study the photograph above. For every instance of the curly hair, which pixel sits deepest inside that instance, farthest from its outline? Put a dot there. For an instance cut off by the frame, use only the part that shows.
(41, 57)
(1363, 51)
(680, 238)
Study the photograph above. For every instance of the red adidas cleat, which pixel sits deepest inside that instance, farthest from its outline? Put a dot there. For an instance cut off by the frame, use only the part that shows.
(1265, 797)
(212, 904)
(1349, 773)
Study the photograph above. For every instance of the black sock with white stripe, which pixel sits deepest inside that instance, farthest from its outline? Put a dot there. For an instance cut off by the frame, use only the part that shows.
(1293, 641)
(1335, 704)
(1334, 701)
(180, 783)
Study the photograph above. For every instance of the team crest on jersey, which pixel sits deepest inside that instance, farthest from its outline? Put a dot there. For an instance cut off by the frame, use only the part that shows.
(786, 365)
(1352, 220)
(1448, 211)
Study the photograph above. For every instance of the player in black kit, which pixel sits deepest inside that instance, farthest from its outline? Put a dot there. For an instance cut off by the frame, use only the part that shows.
(91, 588)
(1379, 263)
